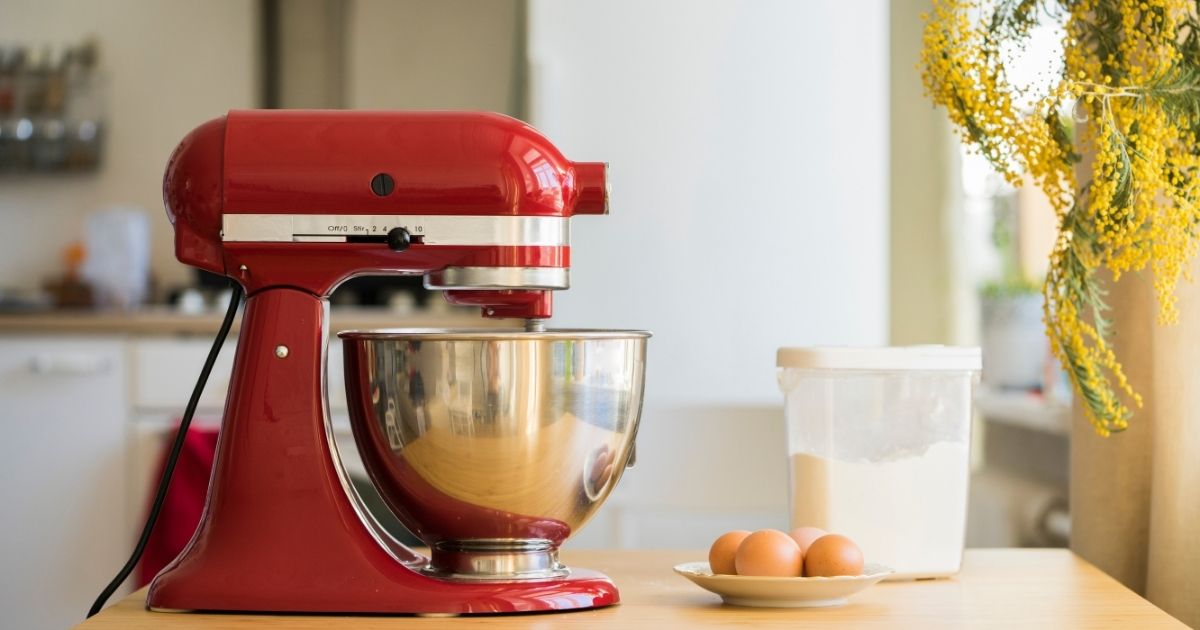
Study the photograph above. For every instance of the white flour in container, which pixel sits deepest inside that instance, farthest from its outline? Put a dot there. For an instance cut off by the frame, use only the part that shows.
(909, 513)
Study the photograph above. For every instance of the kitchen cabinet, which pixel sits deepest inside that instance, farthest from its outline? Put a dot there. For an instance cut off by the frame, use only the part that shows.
(161, 366)
(163, 370)
(62, 458)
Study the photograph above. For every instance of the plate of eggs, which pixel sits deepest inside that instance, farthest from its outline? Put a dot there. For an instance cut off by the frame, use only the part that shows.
(770, 569)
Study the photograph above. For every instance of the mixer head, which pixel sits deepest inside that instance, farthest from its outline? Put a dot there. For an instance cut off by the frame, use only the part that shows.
(479, 204)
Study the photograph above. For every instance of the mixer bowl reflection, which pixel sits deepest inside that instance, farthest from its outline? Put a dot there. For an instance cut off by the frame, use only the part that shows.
(494, 446)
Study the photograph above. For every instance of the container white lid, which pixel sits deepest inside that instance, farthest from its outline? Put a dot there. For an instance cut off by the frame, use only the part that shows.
(926, 358)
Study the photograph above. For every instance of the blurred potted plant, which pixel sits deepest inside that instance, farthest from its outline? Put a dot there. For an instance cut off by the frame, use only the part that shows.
(1014, 346)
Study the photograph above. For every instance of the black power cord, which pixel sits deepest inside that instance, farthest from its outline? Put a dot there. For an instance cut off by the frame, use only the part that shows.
(165, 482)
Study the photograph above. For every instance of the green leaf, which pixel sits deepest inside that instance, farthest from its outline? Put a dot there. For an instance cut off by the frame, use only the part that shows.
(1062, 136)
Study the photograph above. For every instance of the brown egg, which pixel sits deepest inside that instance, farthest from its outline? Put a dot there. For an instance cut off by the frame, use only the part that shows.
(804, 536)
(720, 555)
(768, 552)
(832, 555)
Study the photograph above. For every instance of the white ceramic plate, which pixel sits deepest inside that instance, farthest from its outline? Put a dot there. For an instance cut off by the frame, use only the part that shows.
(782, 592)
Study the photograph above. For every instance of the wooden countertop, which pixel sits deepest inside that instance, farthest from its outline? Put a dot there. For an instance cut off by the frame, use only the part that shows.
(998, 588)
(164, 321)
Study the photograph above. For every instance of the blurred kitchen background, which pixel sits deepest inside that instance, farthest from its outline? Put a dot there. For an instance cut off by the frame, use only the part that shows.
(777, 179)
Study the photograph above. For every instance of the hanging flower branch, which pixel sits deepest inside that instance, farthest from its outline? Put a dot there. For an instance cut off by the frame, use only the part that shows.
(1130, 76)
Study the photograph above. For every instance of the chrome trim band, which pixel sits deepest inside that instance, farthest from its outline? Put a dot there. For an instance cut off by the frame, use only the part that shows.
(433, 229)
(499, 278)
(495, 559)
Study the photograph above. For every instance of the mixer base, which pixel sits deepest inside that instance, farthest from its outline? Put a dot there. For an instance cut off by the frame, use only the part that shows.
(280, 533)
(495, 560)
(582, 590)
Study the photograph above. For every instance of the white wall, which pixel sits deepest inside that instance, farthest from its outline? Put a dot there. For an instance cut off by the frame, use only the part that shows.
(702, 470)
(748, 144)
(172, 65)
(926, 231)
(439, 54)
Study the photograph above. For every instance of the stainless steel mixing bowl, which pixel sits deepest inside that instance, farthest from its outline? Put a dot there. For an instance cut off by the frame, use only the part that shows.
(494, 446)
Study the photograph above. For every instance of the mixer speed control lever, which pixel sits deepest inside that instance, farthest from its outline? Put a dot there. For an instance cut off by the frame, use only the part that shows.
(398, 239)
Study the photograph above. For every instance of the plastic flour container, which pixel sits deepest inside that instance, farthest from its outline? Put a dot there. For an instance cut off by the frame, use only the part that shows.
(879, 440)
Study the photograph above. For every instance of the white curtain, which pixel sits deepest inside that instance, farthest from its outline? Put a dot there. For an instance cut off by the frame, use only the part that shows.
(1135, 496)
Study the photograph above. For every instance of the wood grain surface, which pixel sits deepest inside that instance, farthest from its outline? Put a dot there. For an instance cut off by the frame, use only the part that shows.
(998, 588)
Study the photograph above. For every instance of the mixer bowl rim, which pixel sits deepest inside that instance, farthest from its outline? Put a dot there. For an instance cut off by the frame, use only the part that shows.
(489, 334)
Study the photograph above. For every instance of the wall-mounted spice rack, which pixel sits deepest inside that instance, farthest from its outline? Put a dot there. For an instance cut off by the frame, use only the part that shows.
(51, 109)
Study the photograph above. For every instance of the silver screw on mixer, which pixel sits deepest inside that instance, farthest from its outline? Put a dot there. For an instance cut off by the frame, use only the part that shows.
(281, 351)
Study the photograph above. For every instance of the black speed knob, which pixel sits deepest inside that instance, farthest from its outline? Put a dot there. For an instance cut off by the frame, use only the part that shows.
(399, 239)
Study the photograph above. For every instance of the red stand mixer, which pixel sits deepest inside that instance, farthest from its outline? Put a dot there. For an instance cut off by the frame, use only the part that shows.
(490, 445)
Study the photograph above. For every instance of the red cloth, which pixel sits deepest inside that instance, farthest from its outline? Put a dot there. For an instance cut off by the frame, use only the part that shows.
(184, 502)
